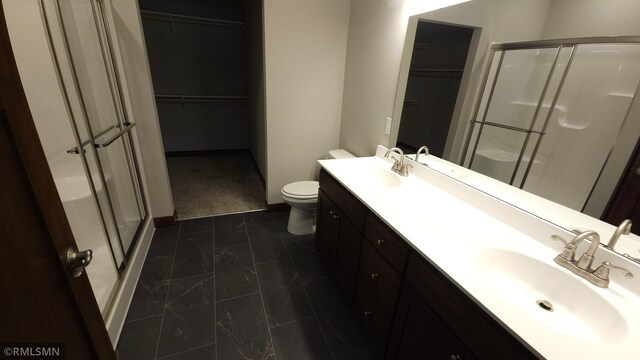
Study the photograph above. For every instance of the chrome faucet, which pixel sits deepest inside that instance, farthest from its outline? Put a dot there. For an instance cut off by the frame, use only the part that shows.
(623, 229)
(582, 267)
(426, 152)
(399, 167)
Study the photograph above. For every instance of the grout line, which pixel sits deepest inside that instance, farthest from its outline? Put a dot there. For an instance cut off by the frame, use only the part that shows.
(264, 308)
(143, 318)
(190, 276)
(230, 246)
(292, 321)
(309, 299)
(185, 351)
(238, 297)
(164, 310)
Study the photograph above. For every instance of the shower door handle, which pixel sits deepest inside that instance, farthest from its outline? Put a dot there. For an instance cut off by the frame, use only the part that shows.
(124, 130)
(76, 260)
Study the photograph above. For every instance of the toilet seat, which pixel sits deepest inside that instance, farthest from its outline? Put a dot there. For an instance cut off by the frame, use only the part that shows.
(301, 190)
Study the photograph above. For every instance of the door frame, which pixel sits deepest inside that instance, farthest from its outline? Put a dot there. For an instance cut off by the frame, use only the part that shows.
(23, 132)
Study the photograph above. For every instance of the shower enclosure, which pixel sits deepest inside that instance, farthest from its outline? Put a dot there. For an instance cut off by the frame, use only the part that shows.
(551, 112)
(97, 176)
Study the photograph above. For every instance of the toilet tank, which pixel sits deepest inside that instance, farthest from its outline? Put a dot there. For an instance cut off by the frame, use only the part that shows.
(340, 154)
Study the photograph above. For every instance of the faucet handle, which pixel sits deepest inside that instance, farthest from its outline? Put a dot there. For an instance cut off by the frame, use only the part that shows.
(569, 252)
(603, 271)
(558, 237)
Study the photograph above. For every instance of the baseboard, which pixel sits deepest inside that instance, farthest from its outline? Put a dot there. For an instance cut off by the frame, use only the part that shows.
(164, 221)
(278, 207)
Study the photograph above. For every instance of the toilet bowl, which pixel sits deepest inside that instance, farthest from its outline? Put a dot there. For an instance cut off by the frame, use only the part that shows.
(302, 196)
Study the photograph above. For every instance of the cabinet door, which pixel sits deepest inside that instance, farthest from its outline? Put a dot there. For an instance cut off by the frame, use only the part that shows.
(347, 254)
(327, 226)
(417, 333)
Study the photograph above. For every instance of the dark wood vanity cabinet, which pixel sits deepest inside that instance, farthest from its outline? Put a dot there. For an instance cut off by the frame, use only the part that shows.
(418, 333)
(338, 236)
(409, 306)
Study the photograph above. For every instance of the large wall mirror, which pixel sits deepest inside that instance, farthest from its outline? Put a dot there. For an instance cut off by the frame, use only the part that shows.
(539, 94)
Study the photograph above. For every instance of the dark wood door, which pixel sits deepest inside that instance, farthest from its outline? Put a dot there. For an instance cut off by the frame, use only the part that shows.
(327, 227)
(347, 254)
(417, 333)
(41, 301)
(625, 203)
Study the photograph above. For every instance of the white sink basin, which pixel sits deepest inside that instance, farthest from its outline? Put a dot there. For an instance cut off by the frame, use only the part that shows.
(577, 309)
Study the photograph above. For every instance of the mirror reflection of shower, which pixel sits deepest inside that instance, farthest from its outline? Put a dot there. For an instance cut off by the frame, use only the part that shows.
(558, 154)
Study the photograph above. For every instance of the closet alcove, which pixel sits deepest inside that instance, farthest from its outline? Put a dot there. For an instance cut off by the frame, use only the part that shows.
(199, 55)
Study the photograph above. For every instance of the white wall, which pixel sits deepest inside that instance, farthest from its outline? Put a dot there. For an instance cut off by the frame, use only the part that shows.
(139, 98)
(375, 54)
(583, 18)
(305, 51)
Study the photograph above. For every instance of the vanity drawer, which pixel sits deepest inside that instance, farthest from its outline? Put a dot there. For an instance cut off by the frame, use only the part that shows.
(381, 279)
(375, 320)
(351, 207)
(391, 246)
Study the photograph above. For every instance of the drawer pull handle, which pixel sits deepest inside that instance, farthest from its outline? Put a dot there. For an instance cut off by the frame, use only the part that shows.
(455, 357)
(380, 242)
(374, 276)
(367, 313)
(331, 212)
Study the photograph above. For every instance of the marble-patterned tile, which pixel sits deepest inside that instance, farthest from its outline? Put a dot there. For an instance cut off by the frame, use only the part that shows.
(236, 274)
(151, 290)
(342, 328)
(308, 262)
(229, 230)
(139, 339)
(266, 242)
(164, 242)
(192, 226)
(203, 353)
(368, 353)
(194, 255)
(257, 218)
(189, 317)
(300, 340)
(242, 331)
(284, 297)
(282, 220)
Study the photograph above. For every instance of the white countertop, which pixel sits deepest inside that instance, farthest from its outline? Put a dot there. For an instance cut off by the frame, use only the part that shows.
(483, 244)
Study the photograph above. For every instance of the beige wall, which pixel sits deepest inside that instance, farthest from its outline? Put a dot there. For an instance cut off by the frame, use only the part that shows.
(139, 97)
(376, 40)
(305, 52)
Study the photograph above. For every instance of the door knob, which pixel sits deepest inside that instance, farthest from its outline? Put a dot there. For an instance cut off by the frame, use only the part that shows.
(76, 260)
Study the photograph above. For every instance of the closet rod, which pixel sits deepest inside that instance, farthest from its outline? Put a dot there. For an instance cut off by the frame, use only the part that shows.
(200, 98)
(153, 15)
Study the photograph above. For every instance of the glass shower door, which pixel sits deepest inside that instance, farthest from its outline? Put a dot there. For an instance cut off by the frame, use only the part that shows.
(508, 110)
(107, 128)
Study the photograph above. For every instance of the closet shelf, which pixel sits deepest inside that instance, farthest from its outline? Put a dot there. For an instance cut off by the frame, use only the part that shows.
(201, 98)
(153, 15)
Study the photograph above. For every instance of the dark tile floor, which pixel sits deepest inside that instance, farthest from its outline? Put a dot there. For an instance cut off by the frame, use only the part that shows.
(239, 287)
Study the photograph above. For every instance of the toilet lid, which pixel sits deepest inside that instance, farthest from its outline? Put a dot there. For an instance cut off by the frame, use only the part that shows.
(301, 189)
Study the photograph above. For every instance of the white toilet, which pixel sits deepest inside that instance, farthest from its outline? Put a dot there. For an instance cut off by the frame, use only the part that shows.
(302, 196)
